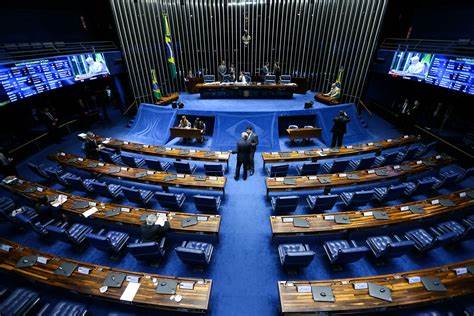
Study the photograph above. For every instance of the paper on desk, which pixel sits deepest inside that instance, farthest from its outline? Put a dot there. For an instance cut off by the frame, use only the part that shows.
(130, 292)
(82, 135)
(161, 219)
(213, 178)
(90, 211)
(60, 200)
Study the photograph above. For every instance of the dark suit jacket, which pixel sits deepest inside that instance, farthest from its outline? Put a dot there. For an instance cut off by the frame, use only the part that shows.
(253, 140)
(340, 123)
(243, 151)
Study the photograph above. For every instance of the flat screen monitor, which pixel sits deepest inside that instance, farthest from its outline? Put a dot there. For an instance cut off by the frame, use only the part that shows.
(27, 78)
(451, 72)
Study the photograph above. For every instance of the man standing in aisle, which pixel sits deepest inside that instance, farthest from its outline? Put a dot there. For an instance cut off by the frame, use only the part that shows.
(339, 128)
(243, 156)
(253, 140)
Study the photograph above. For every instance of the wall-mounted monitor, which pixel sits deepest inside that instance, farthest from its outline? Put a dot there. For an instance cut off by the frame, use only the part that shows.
(27, 78)
(452, 72)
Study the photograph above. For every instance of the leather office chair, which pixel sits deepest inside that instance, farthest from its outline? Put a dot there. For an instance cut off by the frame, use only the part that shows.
(63, 308)
(357, 198)
(134, 162)
(209, 78)
(284, 204)
(109, 155)
(308, 169)
(363, 163)
(217, 170)
(112, 241)
(270, 79)
(38, 170)
(74, 234)
(170, 200)
(195, 252)
(157, 165)
(79, 184)
(277, 170)
(343, 251)
(137, 195)
(318, 203)
(386, 159)
(149, 251)
(184, 167)
(335, 166)
(391, 192)
(112, 191)
(295, 255)
(425, 241)
(385, 247)
(285, 79)
(207, 203)
(421, 186)
(20, 302)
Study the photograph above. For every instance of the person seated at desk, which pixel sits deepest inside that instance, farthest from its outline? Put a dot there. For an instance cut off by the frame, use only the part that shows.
(222, 70)
(332, 97)
(154, 228)
(198, 124)
(243, 78)
(184, 123)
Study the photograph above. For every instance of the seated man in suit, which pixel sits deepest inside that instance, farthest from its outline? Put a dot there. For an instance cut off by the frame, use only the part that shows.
(243, 156)
(184, 123)
(202, 126)
(332, 97)
(155, 227)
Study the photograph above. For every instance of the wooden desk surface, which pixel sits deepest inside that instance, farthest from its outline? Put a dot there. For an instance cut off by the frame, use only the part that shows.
(338, 179)
(207, 224)
(160, 151)
(320, 153)
(325, 224)
(252, 86)
(403, 294)
(148, 176)
(304, 132)
(194, 300)
(190, 132)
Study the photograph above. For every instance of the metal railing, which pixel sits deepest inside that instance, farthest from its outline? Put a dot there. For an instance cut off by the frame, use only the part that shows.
(462, 47)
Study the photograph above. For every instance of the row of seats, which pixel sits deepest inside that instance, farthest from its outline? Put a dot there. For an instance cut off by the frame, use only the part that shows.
(341, 165)
(382, 247)
(23, 301)
(109, 155)
(318, 203)
(167, 200)
(111, 242)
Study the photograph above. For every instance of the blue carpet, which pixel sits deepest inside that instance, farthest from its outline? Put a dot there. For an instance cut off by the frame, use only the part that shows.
(245, 267)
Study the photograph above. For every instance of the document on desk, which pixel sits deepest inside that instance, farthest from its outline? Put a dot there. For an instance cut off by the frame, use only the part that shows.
(90, 211)
(130, 292)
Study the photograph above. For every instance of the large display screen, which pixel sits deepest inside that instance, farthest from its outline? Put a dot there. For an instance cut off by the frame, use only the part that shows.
(23, 79)
(452, 72)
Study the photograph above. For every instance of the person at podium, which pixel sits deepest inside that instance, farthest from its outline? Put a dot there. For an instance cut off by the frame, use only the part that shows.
(184, 123)
(242, 78)
(332, 97)
(199, 124)
(222, 70)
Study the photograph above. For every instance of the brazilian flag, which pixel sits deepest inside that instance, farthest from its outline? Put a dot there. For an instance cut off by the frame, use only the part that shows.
(169, 50)
(155, 86)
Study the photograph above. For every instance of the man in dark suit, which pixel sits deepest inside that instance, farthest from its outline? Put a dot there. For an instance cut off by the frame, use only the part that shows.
(339, 128)
(253, 140)
(243, 156)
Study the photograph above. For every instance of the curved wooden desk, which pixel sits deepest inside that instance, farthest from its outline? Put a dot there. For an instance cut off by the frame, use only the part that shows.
(160, 151)
(194, 300)
(140, 174)
(132, 216)
(397, 214)
(327, 181)
(347, 299)
(324, 153)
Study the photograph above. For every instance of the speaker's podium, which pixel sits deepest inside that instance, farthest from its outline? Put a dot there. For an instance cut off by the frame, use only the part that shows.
(185, 132)
(321, 97)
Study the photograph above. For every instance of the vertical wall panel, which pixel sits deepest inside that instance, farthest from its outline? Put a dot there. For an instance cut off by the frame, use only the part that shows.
(311, 38)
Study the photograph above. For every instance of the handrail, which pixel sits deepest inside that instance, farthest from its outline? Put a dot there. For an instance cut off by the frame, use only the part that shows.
(365, 107)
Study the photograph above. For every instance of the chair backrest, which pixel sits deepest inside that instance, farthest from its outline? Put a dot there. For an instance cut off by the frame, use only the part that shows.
(424, 185)
(310, 168)
(362, 196)
(227, 78)
(6, 205)
(444, 239)
(348, 255)
(279, 169)
(182, 167)
(285, 78)
(38, 169)
(411, 153)
(301, 259)
(450, 178)
(100, 187)
(395, 191)
(189, 255)
(75, 182)
(214, 169)
(270, 79)
(100, 242)
(291, 200)
(205, 200)
(366, 162)
(390, 158)
(398, 248)
(293, 126)
(327, 201)
(154, 164)
(168, 200)
(57, 232)
(209, 78)
(339, 165)
(145, 250)
(132, 194)
(129, 160)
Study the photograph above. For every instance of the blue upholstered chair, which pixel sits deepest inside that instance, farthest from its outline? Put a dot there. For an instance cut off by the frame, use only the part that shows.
(343, 251)
(391, 192)
(31, 223)
(318, 203)
(134, 162)
(217, 170)
(469, 222)
(63, 308)
(284, 79)
(466, 174)
(295, 255)
(277, 170)
(209, 78)
(39, 170)
(284, 204)
(425, 241)
(57, 175)
(75, 234)
(335, 166)
(205, 203)
(195, 252)
(386, 159)
(79, 184)
(20, 302)
(385, 247)
(407, 154)
(6, 206)
(184, 167)
(137, 195)
(421, 186)
(150, 251)
(357, 198)
(447, 178)
(363, 163)
(424, 149)
(110, 156)
(453, 226)
(157, 165)
(308, 169)
(112, 191)
(270, 79)
(20, 216)
(112, 241)
(170, 200)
